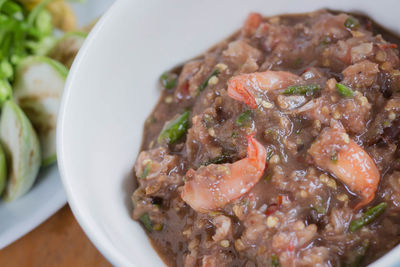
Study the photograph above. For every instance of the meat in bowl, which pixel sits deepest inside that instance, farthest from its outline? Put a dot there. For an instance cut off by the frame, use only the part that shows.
(277, 147)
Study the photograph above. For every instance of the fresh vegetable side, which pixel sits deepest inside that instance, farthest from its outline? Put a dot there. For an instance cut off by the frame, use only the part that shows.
(277, 147)
(34, 64)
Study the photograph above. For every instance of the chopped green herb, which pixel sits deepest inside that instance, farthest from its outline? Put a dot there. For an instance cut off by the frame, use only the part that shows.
(298, 61)
(145, 219)
(214, 213)
(386, 124)
(205, 83)
(344, 90)
(5, 91)
(224, 158)
(245, 203)
(326, 40)
(234, 135)
(270, 154)
(334, 157)
(319, 208)
(146, 170)
(357, 255)
(244, 118)
(12, 9)
(6, 70)
(267, 177)
(158, 227)
(308, 90)
(175, 129)
(274, 261)
(352, 23)
(168, 80)
(368, 217)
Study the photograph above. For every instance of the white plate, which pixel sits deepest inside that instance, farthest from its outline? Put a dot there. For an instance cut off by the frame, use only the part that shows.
(112, 89)
(47, 196)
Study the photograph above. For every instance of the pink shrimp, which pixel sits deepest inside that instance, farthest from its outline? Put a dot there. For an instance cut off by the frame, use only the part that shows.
(243, 87)
(214, 186)
(336, 153)
(251, 23)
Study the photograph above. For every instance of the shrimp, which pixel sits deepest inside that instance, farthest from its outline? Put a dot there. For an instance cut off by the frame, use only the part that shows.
(335, 152)
(214, 186)
(243, 87)
(251, 24)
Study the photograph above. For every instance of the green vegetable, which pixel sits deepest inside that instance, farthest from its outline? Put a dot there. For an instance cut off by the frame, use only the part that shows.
(368, 217)
(3, 170)
(326, 40)
(148, 224)
(175, 129)
(319, 208)
(38, 87)
(357, 255)
(146, 171)
(34, 14)
(224, 158)
(270, 154)
(158, 227)
(274, 261)
(42, 47)
(344, 90)
(6, 70)
(334, 157)
(205, 83)
(308, 90)
(13, 10)
(352, 23)
(22, 148)
(22, 33)
(267, 177)
(168, 80)
(5, 91)
(43, 23)
(145, 219)
(244, 118)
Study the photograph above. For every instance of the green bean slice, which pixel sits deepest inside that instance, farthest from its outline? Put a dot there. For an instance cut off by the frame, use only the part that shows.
(344, 90)
(368, 217)
(175, 129)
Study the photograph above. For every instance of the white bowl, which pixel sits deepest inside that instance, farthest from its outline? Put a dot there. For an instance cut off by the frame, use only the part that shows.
(112, 89)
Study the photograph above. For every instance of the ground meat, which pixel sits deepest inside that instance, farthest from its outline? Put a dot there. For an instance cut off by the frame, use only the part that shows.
(240, 53)
(289, 130)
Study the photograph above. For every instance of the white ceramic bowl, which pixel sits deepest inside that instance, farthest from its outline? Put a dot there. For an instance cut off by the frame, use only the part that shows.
(112, 89)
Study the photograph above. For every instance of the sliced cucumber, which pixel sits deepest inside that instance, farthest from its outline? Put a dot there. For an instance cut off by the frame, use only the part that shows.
(22, 148)
(3, 170)
(38, 87)
(67, 47)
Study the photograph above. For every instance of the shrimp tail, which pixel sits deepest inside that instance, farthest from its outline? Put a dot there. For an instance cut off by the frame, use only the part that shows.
(368, 195)
(238, 91)
(256, 153)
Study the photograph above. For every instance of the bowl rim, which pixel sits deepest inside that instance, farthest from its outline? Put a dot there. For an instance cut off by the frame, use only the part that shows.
(108, 251)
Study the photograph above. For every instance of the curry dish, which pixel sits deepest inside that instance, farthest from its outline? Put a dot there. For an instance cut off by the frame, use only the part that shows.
(277, 147)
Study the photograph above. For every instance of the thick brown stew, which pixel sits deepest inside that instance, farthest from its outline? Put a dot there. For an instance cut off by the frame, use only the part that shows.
(278, 146)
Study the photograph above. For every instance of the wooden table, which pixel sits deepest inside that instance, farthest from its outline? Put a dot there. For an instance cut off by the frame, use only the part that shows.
(57, 242)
